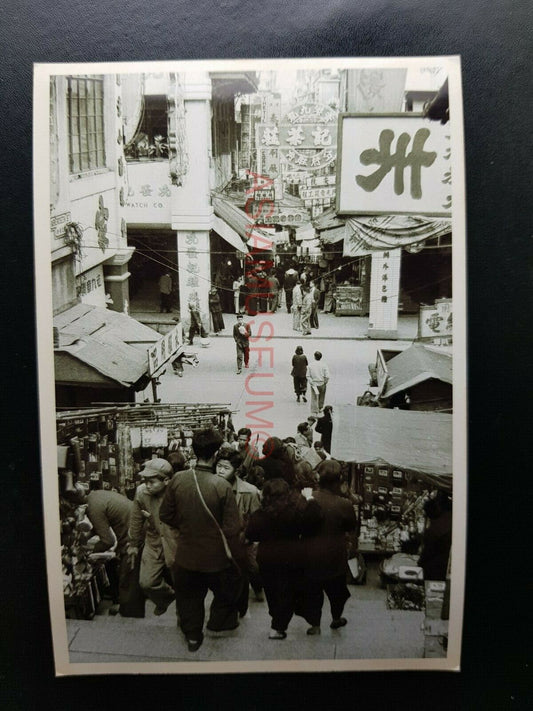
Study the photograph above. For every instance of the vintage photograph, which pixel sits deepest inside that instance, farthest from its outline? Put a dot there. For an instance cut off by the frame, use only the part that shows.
(252, 365)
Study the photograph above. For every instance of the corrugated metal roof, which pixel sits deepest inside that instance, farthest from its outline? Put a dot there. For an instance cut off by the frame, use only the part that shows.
(415, 365)
(114, 344)
(418, 441)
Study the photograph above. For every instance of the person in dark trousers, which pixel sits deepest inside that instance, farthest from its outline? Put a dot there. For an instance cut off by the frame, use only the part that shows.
(165, 292)
(215, 308)
(284, 517)
(145, 528)
(196, 319)
(326, 550)
(299, 373)
(324, 427)
(202, 507)
(241, 336)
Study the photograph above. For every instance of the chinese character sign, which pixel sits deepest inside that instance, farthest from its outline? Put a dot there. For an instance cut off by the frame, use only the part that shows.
(394, 164)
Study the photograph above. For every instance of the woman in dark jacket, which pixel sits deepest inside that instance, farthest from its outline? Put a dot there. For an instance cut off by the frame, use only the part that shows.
(324, 427)
(215, 308)
(284, 517)
(299, 373)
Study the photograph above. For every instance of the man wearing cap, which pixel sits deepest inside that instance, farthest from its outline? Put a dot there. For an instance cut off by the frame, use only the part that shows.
(146, 525)
(241, 336)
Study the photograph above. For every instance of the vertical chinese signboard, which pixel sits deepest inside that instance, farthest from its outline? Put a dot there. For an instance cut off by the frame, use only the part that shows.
(384, 293)
(193, 262)
(393, 164)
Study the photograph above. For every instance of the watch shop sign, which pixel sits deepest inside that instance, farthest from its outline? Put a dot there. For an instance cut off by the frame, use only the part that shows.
(393, 164)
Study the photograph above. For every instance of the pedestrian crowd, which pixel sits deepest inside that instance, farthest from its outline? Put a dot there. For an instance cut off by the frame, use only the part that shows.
(239, 522)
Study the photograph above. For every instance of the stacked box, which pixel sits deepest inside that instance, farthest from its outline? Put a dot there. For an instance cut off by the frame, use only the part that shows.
(434, 598)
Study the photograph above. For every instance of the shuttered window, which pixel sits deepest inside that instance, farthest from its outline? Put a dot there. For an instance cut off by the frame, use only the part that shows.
(85, 108)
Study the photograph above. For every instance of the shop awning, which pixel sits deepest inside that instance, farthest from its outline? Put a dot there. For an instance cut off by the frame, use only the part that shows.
(222, 228)
(417, 441)
(376, 233)
(240, 223)
(415, 365)
(331, 236)
(97, 344)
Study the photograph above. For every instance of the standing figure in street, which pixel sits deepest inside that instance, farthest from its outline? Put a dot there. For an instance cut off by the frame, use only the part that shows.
(165, 293)
(307, 310)
(145, 527)
(297, 300)
(237, 285)
(289, 282)
(324, 427)
(203, 509)
(284, 517)
(241, 336)
(315, 293)
(326, 550)
(318, 374)
(299, 373)
(273, 299)
(215, 308)
(229, 466)
(252, 286)
(196, 319)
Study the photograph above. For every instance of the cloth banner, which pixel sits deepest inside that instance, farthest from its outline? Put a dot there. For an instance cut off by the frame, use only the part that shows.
(365, 235)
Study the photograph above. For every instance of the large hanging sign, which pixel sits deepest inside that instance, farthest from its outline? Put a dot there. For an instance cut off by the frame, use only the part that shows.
(163, 350)
(306, 138)
(280, 215)
(393, 164)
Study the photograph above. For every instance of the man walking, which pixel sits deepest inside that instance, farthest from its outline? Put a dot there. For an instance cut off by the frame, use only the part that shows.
(289, 282)
(145, 526)
(165, 291)
(202, 507)
(318, 376)
(241, 336)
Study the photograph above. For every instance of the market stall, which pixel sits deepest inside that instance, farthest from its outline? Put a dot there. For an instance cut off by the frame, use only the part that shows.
(105, 448)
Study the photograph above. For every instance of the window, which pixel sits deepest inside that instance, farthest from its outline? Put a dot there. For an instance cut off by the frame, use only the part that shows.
(85, 107)
(150, 140)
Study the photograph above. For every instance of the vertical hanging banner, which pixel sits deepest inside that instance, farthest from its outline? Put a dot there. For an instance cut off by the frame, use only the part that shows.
(393, 164)
(384, 294)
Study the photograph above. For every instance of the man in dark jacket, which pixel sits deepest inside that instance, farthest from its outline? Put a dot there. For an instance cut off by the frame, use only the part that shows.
(327, 559)
(195, 502)
(241, 336)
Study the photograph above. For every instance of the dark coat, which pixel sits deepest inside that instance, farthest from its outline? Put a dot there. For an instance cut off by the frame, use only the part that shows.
(109, 512)
(279, 536)
(326, 551)
(324, 427)
(436, 547)
(242, 340)
(200, 545)
(299, 366)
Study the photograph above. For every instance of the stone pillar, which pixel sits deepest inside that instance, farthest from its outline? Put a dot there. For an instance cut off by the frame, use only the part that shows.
(116, 279)
(192, 212)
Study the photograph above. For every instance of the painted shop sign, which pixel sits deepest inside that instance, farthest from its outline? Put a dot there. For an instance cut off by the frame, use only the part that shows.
(393, 164)
(318, 192)
(305, 138)
(58, 223)
(90, 282)
(280, 215)
(164, 349)
(435, 322)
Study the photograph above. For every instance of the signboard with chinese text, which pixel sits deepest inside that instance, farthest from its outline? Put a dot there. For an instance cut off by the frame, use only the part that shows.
(280, 215)
(154, 436)
(90, 287)
(164, 349)
(317, 192)
(305, 138)
(58, 223)
(384, 294)
(393, 164)
(435, 322)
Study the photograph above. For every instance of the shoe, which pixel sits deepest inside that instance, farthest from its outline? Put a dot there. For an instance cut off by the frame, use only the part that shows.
(304, 398)
(335, 624)
(246, 365)
(315, 629)
(114, 609)
(277, 634)
(161, 609)
(193, 645)
(222, 633)
(239, 371)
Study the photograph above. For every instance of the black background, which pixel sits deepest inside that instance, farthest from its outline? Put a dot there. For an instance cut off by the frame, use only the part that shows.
(493, 39)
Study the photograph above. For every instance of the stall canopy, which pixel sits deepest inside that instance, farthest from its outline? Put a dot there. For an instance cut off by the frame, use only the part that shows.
(241, 226)
(415, 365)
(420, 442)
(99, 345)
(365, 235)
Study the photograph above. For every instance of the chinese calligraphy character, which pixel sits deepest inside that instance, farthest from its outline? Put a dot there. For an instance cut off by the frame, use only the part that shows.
(302, 160)
(399, 160)
(270, 136)
(295, 136)
(191, 239)
(291, 155)
(315, 160)
(293, 116)
(164, 191)
(193, 268)
(322, 136)
(192, 281)
(383, 299)
(146, 190)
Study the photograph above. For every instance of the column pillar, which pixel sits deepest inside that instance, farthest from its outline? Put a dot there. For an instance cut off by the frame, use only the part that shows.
(192, 212)
(116, 279)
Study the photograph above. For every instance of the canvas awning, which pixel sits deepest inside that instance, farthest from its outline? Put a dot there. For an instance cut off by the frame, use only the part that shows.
(416, 441)
(415, 365)
(99, 345)
(240, 223)
(376, 233)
